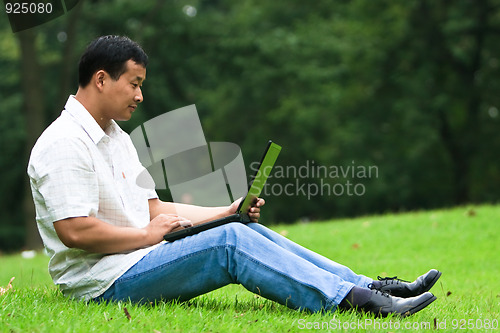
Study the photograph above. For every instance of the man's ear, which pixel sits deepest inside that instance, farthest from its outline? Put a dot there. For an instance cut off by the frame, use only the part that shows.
(99, 79)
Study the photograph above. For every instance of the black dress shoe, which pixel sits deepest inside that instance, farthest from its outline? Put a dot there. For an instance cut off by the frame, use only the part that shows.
(382, 304)
(401, 288)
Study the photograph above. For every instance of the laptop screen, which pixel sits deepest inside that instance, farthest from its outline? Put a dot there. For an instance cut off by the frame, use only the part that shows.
(260, 178)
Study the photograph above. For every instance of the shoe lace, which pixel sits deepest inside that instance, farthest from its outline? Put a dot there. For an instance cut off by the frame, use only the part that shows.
(378, 291)
(391, 279)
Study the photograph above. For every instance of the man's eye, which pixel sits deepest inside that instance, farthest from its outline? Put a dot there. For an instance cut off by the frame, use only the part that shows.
(134, 85)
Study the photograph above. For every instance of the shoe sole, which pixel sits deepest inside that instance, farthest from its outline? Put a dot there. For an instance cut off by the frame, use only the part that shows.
(419, 307)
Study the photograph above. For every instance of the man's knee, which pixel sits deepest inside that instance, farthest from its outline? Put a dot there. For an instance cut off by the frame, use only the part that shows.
(235, 227)
(231, 234)
(235, 232)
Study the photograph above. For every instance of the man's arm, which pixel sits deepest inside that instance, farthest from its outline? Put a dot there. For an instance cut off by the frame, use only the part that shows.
(94, 235)
(196, 214)
(200, 215)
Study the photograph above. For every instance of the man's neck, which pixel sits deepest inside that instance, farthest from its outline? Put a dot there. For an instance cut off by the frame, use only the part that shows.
(85, 98)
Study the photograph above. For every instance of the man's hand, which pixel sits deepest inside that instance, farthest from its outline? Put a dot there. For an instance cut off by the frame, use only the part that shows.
(253, 212)
(163, 224)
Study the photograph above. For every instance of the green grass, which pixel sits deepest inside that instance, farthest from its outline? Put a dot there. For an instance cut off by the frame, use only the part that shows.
(464, 243)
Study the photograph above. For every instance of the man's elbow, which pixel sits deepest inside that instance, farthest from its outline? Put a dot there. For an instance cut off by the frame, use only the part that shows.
(69, 237)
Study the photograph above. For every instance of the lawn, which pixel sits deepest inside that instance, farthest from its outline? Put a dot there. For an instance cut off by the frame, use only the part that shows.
(463, 243)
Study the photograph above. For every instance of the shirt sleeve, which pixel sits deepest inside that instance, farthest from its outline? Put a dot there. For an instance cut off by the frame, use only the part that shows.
(63, 177)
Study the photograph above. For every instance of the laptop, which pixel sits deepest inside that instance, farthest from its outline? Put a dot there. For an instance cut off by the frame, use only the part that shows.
(259, 180)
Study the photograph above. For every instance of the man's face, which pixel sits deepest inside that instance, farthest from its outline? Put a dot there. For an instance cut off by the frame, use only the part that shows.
(123, 95)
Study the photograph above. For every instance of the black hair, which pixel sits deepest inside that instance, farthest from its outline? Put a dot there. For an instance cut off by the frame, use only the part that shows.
(111, 54)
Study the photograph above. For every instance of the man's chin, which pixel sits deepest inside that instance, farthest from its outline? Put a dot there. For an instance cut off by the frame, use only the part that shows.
(124, 117)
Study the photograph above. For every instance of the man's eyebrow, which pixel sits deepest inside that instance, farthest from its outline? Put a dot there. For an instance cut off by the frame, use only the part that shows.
(140, 79)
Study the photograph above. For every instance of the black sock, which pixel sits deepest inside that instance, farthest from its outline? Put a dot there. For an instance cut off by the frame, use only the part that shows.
(357, 297)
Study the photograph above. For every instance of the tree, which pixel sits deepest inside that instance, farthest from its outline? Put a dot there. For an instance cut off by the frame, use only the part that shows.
(34, 107)
(411, 91)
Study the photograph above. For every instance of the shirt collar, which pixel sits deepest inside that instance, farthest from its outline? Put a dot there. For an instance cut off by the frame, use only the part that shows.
(88, 123)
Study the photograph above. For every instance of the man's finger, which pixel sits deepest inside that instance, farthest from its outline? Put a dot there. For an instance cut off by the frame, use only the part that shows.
(260, 202)
(185, 223)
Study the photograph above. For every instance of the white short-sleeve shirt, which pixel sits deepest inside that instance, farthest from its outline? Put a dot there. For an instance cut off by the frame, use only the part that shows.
(77, 169)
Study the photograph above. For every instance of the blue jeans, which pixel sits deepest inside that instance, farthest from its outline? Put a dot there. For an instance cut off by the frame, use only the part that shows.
(261, 260)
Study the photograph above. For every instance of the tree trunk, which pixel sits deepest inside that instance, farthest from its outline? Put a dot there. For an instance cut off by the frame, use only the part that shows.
(68, 64)
(33, 110)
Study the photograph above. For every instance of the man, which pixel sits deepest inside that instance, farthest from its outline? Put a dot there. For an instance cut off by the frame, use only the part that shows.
(104, 233)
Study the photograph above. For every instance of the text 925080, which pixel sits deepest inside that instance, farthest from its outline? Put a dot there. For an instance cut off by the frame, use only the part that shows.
(28, 8)
(28, 14)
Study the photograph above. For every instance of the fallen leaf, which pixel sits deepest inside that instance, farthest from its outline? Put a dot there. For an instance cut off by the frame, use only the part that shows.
(448, 293)
(9, 286)
(471, 212)
(355, 246)
(127, 314)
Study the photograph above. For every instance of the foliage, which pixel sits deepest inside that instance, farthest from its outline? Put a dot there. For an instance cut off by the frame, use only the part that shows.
(406, 87)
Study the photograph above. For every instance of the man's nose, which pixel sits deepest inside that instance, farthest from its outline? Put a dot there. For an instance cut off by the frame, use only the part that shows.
(138, 97)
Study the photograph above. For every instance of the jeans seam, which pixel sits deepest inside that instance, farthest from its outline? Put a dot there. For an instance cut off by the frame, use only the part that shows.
(329, 302)
(121, 279)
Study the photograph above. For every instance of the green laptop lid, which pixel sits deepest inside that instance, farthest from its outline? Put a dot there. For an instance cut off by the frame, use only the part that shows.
(260, 178)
